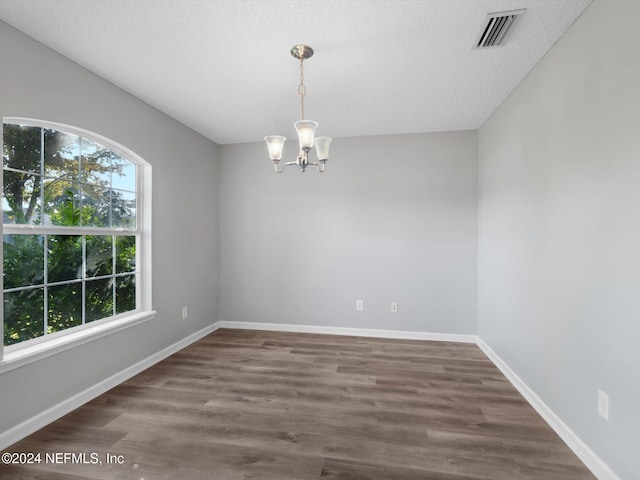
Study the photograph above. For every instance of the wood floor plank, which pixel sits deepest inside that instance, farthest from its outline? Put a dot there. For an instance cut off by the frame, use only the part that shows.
(23, 472)
(334, 468)
(242, 404)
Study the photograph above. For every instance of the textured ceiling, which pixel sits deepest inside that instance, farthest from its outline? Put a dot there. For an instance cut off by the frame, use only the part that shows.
(223, 68)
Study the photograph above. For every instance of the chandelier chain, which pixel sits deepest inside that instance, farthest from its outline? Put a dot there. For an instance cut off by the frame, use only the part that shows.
(302, 91)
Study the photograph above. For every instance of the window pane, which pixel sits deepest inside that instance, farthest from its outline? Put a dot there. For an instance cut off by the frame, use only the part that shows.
(99, 255)
(95, 163)
(61, 205)
(21, 147)
(99, 295)
(57, 178)
(20, 203)
(96, 206)
(61, 154)
(125, 254)
(125, 293)
(23, 315)
(64, 257)
(65, 307)
(123, 209)
(124, 173)
(23, 260)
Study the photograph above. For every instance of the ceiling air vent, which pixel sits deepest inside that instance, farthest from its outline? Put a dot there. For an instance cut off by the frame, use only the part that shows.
(496, 28)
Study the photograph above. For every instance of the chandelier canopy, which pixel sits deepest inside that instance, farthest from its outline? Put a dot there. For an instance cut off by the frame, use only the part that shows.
(306, 128)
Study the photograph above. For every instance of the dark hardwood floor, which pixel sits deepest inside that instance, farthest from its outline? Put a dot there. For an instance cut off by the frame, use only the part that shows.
(242, 404)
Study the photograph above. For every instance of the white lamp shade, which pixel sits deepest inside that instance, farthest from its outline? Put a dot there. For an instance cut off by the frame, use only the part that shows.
(306, 129)
(322, 147)
(275, 144)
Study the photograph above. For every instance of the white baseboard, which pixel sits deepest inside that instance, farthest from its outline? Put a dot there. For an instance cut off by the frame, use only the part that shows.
(594, 463)
(35, 423)
(354, 332)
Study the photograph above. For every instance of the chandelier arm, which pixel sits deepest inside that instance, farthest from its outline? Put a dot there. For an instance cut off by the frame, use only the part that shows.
(320, 165)
(284, 165)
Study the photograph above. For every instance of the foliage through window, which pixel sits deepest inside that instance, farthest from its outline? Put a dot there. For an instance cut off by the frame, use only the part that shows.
(70, 231)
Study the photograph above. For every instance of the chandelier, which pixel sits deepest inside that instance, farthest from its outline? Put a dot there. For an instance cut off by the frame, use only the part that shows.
(305, 128)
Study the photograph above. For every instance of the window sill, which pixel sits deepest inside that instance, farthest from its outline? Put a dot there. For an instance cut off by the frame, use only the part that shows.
(23, 356)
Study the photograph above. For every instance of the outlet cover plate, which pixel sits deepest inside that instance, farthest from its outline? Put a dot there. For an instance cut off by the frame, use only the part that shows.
(603, 405)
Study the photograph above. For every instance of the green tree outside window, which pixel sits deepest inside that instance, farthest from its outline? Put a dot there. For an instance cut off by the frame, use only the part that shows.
(55, 281)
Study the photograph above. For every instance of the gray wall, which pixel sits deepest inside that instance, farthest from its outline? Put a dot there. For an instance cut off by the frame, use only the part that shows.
(394, 218)
(559, 230)
(38, 83)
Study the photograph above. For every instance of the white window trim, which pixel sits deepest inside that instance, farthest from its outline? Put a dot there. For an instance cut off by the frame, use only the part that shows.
(25, 354)
(30, 351)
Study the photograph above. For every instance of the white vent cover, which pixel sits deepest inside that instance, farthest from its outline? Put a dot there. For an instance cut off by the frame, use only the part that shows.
(496, 28)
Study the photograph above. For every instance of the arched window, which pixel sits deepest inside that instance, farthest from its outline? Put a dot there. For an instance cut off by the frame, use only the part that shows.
(73, 223)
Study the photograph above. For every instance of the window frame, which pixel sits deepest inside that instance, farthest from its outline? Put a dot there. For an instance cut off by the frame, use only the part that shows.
(18, 354)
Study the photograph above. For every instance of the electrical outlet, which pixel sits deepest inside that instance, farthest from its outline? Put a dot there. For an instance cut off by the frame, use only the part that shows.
(603, 405)
(394, 307)
(185, 313)
(359, 305)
